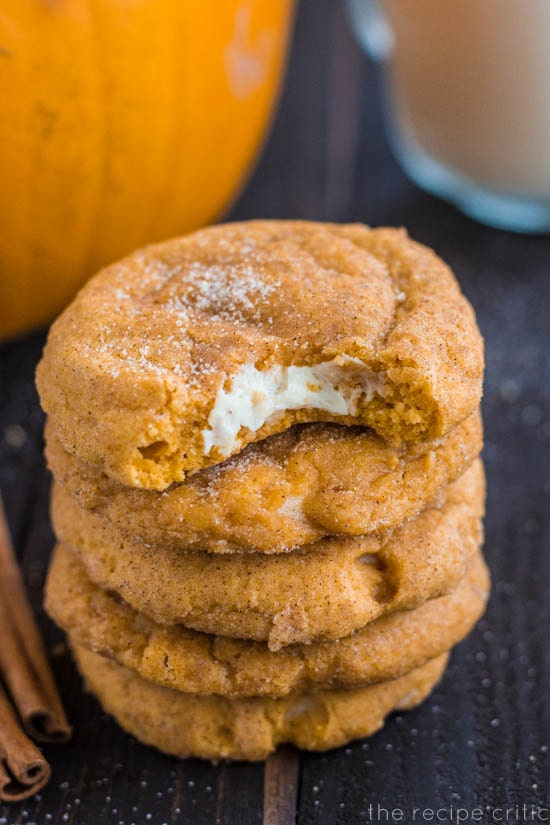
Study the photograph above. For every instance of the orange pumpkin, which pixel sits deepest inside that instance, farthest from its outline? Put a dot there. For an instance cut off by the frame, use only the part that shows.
(122, 122)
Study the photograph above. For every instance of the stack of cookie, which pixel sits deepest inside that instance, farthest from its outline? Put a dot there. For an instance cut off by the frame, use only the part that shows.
(267, 492)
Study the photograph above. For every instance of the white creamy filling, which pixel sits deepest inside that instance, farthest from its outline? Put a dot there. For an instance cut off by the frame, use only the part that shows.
(255, 396)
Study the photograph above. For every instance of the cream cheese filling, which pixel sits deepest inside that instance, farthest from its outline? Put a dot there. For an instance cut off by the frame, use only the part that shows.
(255, 396)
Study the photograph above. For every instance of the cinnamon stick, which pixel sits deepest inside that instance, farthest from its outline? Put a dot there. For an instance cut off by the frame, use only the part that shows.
(23, 769)
(23, 662)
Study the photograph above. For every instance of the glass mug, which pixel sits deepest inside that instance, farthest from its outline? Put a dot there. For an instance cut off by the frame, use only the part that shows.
(467, 86)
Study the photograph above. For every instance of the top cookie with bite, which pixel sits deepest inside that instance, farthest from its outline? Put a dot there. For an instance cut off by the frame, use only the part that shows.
(178, 356)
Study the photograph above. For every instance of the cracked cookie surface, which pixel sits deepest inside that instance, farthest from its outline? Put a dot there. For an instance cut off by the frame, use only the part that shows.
(215, 727)
(193, 662)
(324, 590)
(288, 490)
(183, 353)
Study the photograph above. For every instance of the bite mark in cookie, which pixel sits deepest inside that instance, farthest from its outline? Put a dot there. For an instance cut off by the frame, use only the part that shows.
(255, 396)
(182, 354)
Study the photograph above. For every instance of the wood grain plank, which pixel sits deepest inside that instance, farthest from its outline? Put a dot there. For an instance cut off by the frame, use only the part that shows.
(21, 423)
(239, 796)
(281, 780)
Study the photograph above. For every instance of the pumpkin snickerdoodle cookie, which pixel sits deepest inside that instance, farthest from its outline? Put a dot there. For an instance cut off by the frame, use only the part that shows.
(177, 657)
(268, 495)
(183, 353)
(216, 727)
(289, 490)
(323, 591)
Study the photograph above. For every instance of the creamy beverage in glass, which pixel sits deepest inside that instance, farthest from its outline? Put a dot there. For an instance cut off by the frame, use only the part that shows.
(468, 100)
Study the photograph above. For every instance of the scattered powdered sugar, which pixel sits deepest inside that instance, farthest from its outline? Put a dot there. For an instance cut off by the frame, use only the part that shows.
(157, 271)
(140, 275)
(228, 292)
(156, 303)
(242, 463)
(115, 357)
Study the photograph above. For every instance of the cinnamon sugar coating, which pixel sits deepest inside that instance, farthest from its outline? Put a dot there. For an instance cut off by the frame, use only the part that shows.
(281, 493)
(215, 727)
(135, 369)
(325, 590)
(192, 662)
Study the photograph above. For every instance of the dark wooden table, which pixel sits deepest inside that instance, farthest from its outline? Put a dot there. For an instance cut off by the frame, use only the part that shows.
(482, 740)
